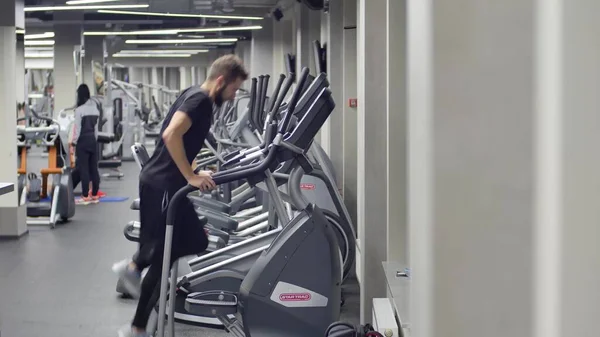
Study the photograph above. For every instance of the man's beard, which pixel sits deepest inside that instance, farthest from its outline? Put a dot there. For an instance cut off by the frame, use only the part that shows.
(219, 100)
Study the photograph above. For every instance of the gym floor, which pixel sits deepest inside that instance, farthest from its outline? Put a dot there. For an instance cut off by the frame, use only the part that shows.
(59, 283)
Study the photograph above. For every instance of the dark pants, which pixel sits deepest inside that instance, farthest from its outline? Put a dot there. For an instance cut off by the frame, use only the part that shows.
(188, 238)
(87, 165)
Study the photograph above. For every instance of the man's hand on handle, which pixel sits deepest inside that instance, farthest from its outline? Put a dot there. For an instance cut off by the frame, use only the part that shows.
(203, 181)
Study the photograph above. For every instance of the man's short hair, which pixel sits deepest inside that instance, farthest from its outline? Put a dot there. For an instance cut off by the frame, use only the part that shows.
(230, 67)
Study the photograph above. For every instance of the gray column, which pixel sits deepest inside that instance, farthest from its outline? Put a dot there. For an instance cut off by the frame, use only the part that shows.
(397, 133)
(372, 153)
(93, 53)
(67, 38)
(194, 75)
(244, 51)
(12, 217)
(201, 75)
(324, 135)
(301, 24)
(136, 74)
(159, 76)
(189, 75)
(174, 82)
(20, 71)
(154, 81)
(282, 45)
(183, 78)
(334, 33)
(308, 28)
(262, 50)
(350, 113)
(567, 279)
(471, 155)
(145, 80)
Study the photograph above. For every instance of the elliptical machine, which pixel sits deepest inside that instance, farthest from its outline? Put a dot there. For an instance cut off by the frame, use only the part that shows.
(61, 206)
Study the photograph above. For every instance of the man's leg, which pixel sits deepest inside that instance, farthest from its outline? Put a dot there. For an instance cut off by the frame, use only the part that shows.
(151, 220)
(150, 292)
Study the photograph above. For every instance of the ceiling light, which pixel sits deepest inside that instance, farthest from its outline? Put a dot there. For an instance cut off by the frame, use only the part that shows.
(151, 55)
(163, 51)
(148, 32)
(217, 29)
(173, 31)
(34, 96)
(180, 41)
(40, 43)
(228, 17)
(39, 55)
(83, 2)
(74, 8)
(20, 31)
(39, 49)
(46, 35)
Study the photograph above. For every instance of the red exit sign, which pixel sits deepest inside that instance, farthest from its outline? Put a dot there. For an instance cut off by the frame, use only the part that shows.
(353, 102)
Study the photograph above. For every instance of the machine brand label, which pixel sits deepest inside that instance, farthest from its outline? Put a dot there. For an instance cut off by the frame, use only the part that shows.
(307, 186)
(295, 297)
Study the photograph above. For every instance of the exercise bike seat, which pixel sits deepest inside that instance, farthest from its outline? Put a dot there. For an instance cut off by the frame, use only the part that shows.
(212, 303)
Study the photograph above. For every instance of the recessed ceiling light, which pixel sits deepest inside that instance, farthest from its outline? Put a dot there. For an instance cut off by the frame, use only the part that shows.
(173, 31)
(21, 31)
(148, 32)
(206, 16)
(39, 55)
(151, 55)
(163, 51)
(83, 2)
(74, 8)
(46, 35)
(27, 49)
(40, 43)
(181, 41)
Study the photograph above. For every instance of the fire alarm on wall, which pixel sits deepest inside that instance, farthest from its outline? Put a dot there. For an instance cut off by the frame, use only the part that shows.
(353, 102)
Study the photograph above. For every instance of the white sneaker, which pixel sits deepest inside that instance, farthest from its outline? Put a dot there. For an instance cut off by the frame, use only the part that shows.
(127, 331)
(132, 279)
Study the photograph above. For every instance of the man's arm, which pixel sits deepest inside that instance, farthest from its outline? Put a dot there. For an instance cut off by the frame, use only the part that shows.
(173, 138)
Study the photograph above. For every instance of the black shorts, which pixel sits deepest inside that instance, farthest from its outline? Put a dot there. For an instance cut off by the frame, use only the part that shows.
(189, 237)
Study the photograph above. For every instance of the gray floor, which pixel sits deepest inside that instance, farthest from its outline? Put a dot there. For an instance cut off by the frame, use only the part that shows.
(58, 283)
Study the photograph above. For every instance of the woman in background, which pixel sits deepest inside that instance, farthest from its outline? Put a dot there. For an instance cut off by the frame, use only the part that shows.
(85, 142)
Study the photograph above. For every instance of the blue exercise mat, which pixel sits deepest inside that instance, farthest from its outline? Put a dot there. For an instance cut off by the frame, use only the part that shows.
(113, 199)
(105, 199)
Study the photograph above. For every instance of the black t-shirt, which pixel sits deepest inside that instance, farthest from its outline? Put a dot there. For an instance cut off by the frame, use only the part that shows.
(161, 171)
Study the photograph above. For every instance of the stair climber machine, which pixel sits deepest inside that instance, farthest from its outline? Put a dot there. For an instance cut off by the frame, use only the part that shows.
(56, 183)
(252, 231)
(318, 187)
(293, 288)
(234, 228)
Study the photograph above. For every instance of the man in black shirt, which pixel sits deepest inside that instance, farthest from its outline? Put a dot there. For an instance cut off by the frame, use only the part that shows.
(169, 169)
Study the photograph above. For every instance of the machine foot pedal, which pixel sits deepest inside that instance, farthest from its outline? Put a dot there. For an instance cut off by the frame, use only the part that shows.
(212, 303)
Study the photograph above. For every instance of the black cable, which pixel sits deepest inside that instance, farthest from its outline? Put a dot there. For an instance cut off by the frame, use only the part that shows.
(341, 329)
